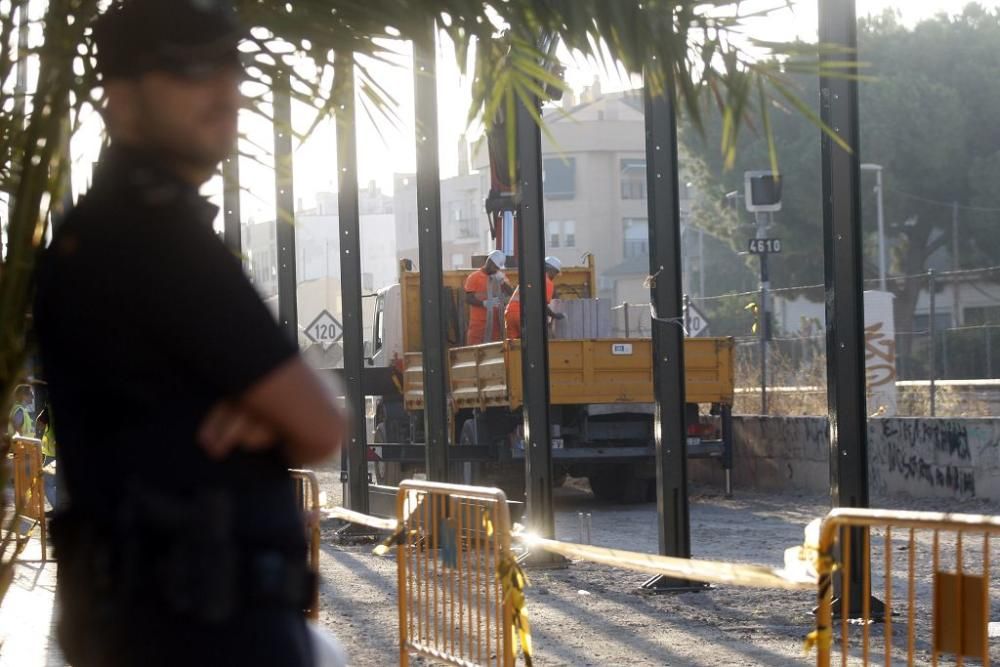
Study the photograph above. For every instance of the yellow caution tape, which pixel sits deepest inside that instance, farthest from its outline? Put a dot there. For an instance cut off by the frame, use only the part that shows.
(513, 582)
(388, 543)
(712, 572)
(821, 637)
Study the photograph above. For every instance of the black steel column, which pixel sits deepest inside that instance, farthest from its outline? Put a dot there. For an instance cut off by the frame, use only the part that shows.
(350, 280)
(666, 295)
(845, 362)
(285, 204)
(231, 202)
(432, 312)
(534, 333)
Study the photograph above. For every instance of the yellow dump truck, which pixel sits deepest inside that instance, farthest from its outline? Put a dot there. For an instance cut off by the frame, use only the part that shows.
(601, 392)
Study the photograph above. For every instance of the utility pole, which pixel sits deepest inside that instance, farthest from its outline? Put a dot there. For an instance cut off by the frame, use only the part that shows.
(880, 200)
(956, 288)
(932, 333)
(701, 263)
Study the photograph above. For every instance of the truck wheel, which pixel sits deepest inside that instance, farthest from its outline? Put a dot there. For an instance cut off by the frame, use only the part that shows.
(619, 484)
(386, 474)
(608, 485)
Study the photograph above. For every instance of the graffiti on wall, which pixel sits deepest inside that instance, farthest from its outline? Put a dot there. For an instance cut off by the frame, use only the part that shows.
(936, 454)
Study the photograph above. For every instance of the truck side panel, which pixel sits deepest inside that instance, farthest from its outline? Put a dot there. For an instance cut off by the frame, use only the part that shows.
(582, 372)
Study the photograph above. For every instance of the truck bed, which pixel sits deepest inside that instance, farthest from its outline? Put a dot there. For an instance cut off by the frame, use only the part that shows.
(596, 371)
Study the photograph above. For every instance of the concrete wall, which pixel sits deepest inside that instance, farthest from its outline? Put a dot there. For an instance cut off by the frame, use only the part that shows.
(909, 457)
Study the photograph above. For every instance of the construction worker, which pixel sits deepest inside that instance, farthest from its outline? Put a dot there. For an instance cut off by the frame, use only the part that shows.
(19, 420)
(45, 432)
(484, 292)
(512, 316)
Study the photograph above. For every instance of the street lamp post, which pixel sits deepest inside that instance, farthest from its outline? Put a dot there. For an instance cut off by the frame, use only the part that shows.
(877, 168)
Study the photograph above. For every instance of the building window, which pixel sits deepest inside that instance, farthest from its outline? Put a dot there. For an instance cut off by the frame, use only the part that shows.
(559, 178)
(633, 179)
(569, 234)
(636, 237)
(555, 236)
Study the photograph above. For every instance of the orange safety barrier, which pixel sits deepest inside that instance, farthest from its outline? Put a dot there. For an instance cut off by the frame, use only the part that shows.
(460, 588)
(931, 570)
(307, 489)
(29, 493)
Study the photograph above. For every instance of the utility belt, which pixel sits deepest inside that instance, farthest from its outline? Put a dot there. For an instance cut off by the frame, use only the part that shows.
(176, 555)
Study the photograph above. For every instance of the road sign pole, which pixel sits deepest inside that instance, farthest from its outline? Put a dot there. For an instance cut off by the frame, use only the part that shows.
(350, 280)
(763, 316)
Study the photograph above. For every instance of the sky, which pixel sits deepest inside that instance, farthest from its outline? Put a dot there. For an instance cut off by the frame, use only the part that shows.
(389, 148)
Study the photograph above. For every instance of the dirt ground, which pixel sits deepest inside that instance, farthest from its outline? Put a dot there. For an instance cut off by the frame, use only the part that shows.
(585, 614)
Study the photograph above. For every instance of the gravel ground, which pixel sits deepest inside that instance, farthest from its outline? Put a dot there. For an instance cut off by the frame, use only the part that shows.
(587, 614)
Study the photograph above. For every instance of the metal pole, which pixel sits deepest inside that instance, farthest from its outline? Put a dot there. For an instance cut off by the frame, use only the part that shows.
(285, 199)
(701, 263)
(765, 321)
(350, 279)
(989, 352)
(932, 333)
(432, 312)
(881, 229)
(956, 287)
(669, 430)
(231, 203)
(534, 333)
(845, 349)
(625, 312)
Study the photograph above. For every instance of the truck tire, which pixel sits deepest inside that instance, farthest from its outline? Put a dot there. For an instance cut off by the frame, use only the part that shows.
(386, 474)
(619, 483)
(608, 485)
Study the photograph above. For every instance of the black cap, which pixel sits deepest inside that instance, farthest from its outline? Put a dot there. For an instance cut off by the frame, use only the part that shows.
(191, 38)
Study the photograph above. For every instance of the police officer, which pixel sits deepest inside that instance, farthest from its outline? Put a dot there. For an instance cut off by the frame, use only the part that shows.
(182, 543)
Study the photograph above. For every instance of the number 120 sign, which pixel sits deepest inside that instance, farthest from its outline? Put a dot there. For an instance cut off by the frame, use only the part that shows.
(765, 246)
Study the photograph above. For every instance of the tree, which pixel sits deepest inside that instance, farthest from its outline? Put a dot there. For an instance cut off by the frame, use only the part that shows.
(928, 117)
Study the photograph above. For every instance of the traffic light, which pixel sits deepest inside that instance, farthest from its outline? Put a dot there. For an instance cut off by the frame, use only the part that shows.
(762, 191)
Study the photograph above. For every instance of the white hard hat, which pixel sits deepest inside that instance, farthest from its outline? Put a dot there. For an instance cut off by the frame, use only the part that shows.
(554, 263)
(498, 257)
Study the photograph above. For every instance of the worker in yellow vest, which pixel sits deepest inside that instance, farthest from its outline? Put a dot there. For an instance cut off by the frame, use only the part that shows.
(19, 420)
(45, 433)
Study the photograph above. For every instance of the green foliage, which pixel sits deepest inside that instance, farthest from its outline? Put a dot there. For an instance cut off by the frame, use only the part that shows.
(928, 117)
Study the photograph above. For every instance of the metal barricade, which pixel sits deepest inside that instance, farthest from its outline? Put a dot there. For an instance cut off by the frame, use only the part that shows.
(29, 492)
(936, 565)
(453, 558)
(307, 489)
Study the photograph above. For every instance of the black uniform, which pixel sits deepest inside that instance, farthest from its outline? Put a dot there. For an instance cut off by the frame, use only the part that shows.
(145, 321)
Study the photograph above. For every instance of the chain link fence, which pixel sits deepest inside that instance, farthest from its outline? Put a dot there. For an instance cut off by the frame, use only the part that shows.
(943, 357)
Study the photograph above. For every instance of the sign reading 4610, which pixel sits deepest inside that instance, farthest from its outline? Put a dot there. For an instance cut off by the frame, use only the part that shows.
(765, 246)
(325, 329)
